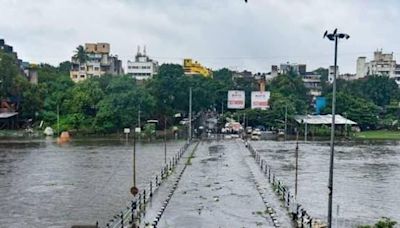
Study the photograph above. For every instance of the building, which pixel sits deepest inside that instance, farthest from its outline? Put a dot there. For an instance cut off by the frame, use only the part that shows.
(287, 68)
(243, 74)
(98, 62)
(191, 67)
(142, 67)
(311, 80)
(382, 64)
(26, 68)
(331, 73)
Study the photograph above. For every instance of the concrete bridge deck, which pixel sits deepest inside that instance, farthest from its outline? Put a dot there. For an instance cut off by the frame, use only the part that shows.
(221, 186)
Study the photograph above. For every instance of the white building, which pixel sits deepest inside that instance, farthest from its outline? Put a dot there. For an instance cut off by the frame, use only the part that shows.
(331, 73)
(142, 67)
(382, 64)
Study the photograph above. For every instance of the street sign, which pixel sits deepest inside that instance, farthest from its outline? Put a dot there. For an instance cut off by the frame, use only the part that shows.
(127, 130)
(236, 99)
(138, 130)
(134, 190)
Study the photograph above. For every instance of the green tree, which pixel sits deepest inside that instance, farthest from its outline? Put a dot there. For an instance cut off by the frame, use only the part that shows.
(8, 75)
(358, 109)
(80, 54)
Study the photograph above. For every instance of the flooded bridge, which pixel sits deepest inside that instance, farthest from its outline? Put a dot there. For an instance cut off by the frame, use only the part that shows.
(215, 183)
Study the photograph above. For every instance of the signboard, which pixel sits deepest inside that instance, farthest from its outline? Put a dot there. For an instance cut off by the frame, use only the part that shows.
(320, 104)
(260, 99)
(127, 130)
(138, 130)
(236, 99)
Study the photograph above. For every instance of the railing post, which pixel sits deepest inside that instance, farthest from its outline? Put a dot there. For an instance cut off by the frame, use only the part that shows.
(151, 189)
(133, 209)
(122, 219)
(144, 197)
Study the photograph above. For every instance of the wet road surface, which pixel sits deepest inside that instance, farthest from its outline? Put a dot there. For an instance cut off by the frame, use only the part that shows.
(218, 189)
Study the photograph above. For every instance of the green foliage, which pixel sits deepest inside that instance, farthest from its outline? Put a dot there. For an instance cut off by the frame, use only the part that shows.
(149, 130)
(384, 222)
(358, 109)
(291, 88)
(8, 75)
(80, 54)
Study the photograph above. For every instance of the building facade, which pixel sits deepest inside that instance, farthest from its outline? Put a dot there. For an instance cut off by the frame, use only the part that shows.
(382, 64)
(26, 68)
(191, 67)
(142, 68)
(311, 80)
(98, 62)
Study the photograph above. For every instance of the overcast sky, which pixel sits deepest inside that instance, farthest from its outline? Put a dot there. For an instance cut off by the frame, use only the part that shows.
(218, 33)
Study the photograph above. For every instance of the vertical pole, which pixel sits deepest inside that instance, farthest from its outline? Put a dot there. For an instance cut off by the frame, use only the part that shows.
(297, 164)
(222, 108)
(139, 121)
(305, 128)
(134, 160)
(165, 140)
(337, 216)
(58, 119)
(190, 115)
(330, 185)
(285, 121)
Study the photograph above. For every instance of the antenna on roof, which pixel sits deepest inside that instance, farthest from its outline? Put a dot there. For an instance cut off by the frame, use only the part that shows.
(144, 49)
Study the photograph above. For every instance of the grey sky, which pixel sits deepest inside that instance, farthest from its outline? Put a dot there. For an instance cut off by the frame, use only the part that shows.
(218, 33)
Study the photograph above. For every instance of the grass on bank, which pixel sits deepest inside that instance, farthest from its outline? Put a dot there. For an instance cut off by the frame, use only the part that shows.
(378, 134)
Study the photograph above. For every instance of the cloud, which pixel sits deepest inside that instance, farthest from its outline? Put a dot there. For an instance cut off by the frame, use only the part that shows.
(223, 33)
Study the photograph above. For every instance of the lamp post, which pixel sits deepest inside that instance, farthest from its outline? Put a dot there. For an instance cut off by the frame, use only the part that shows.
(335, 36)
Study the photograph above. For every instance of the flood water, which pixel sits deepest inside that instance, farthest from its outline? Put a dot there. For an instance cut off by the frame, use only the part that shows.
(366, 178)
(43, 184)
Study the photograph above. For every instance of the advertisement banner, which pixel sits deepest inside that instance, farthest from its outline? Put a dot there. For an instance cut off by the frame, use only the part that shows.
(259, 100)
(236, 99)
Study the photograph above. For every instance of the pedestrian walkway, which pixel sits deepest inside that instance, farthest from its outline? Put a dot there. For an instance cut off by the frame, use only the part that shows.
(220, 187)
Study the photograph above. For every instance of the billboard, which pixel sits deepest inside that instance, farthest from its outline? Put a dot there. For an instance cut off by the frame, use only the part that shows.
(236, 99)
(260, 100)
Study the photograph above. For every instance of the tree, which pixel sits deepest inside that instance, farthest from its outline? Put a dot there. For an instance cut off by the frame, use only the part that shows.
(360, 110)
(292, 88)
(120, 105)
(8, 75)
(80, 54)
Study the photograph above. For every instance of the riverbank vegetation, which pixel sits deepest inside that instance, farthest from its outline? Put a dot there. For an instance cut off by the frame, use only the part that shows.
(110, 103)
(382, 223)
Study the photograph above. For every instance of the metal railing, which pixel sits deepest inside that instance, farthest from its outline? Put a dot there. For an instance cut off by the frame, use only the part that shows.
(132, 214)
(300, 216)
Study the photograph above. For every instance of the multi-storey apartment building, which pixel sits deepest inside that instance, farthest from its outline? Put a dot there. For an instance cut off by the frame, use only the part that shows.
(382, 64)
(97, 63)
(311, 80)
(142, 67)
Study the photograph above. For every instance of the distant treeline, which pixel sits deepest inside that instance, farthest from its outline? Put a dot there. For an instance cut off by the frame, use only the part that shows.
(110, 103)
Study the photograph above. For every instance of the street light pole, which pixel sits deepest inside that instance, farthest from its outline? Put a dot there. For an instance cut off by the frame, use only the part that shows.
(333, 37)
(165, 139)
(190, 115)
(285, 121)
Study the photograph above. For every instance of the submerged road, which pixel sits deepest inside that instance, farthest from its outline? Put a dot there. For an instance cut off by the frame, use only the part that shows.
(221, 187)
